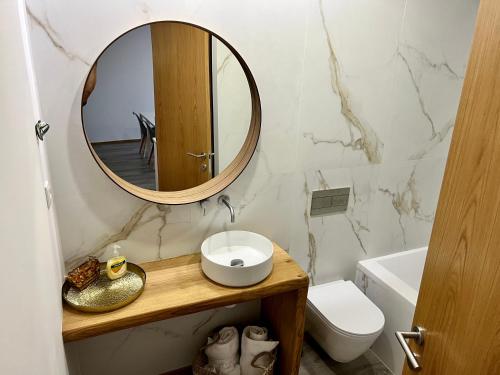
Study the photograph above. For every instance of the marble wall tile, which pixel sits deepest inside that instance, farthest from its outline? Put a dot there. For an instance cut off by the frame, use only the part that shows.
(331, 245)
(153, 348)
(432, 55)
(93, 211)
(404, 205)
(348, 82)
(391, 208)
(406, 93)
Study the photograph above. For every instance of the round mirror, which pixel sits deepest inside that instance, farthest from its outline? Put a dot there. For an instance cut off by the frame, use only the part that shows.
(171, 112)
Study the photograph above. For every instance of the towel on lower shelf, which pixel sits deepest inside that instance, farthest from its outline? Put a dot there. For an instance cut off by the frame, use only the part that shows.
(254, 342)
(222, 351)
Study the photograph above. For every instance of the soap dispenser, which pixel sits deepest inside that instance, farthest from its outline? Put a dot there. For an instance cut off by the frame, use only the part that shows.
(117, 265)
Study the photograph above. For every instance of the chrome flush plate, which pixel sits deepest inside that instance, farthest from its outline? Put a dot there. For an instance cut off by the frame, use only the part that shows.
(329, 201)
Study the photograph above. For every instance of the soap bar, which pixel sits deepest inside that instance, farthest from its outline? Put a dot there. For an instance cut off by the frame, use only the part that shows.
(116, 267)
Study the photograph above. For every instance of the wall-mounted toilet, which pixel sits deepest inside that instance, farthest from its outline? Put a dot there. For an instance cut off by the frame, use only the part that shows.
(342, 320)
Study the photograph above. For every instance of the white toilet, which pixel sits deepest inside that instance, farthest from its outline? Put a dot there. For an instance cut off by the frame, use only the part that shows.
(342, 320)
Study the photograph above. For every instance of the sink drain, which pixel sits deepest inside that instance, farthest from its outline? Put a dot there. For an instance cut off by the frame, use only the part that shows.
(237, 263)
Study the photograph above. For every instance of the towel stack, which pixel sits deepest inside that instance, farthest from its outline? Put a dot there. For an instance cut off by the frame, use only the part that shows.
(253, 343)
(222, 351)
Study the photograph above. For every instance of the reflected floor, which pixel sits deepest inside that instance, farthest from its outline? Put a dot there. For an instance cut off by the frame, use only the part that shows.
(316, 362)
(124, 159)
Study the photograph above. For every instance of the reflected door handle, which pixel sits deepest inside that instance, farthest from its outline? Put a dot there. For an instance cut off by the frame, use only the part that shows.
(416, 334)
(201, 156)
(204, 156)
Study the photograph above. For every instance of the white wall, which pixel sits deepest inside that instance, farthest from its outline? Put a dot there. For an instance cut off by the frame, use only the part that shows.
(124, 84)
(30, 281)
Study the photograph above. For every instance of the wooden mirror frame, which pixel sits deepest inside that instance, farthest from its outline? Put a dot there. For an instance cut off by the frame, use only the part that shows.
(217, 183)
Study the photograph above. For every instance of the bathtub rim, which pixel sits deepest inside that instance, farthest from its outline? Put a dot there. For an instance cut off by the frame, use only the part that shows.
(374, 270)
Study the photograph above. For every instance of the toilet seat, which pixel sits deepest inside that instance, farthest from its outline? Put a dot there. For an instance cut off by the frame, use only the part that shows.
(342, 307)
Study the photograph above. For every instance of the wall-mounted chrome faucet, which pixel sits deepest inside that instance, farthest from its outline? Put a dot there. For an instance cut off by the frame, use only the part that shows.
(224, 199)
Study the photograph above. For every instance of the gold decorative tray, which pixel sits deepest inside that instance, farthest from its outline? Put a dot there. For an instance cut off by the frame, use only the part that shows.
(105, 294)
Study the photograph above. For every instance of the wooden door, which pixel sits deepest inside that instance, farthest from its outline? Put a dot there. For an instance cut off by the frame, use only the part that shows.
(459, 301)
(181, 72)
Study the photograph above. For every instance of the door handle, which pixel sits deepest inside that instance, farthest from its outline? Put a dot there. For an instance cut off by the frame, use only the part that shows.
(417, 334)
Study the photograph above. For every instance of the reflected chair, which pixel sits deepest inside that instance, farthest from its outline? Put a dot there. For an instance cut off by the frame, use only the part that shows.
(151, 130)
(143, 131)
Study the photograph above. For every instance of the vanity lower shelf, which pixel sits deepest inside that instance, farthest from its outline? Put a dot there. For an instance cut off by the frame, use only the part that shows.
(177, 286)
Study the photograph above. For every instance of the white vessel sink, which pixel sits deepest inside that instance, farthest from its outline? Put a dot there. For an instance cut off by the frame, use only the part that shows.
(237, 258)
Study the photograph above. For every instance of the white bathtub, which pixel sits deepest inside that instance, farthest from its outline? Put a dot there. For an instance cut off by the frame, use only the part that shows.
(392, 283)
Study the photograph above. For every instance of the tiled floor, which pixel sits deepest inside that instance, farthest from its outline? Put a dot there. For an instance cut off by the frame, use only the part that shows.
(316, 362)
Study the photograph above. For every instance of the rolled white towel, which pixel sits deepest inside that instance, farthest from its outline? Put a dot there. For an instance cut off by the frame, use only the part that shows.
(222, 352)
(253, 342)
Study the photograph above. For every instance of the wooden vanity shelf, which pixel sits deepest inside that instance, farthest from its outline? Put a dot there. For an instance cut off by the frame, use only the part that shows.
(177, 286)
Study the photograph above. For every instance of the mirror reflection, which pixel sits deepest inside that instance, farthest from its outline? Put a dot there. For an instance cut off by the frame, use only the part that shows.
(166, 106)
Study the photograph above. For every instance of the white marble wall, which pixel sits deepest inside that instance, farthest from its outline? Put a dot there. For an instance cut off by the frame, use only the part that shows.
(358, 93)
(380, 91)
(154, 348)
(92, 210)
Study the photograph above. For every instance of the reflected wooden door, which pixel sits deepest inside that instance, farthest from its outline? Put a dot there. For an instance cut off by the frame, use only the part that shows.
(459, 300)
(183, 116)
